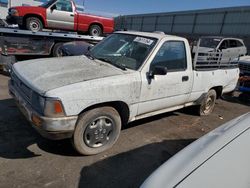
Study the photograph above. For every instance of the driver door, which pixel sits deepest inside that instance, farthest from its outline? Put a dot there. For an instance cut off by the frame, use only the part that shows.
(61, 15)
(170, 90)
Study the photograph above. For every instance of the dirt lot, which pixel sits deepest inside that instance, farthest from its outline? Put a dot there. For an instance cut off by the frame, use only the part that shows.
(28, 160)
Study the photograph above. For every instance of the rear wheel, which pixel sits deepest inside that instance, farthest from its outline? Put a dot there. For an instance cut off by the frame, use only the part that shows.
(34, 24)
(97, 130)
(208, 103)
(95, 30)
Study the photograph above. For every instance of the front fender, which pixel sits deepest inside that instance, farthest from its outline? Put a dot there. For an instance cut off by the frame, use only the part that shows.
(79, 96)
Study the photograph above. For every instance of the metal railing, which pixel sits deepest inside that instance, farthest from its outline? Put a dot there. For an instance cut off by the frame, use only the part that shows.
(215, 59)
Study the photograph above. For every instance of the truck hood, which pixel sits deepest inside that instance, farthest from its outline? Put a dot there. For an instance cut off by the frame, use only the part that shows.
(245, 60)
(46, 74)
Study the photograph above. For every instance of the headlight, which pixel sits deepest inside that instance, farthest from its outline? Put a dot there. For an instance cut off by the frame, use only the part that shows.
(49, 107)
(38, 102)
(14, 12)
(53, 108)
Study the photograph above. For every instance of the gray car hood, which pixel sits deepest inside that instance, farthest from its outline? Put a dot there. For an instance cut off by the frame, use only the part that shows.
(46, 74)
(185, 162)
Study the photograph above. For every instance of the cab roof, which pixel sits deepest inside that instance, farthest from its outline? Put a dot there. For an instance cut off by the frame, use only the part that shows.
(156, 35)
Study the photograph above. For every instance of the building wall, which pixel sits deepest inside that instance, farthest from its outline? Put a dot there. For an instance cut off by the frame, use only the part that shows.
(225, 21)
(232, 21)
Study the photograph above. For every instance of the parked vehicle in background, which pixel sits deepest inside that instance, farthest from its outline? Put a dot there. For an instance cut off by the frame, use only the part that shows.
(59, 14)
(231, 48)
(126, 77)
(244, 65)
(74, 48)
(18, 45)
(244, 81)
(218, 159)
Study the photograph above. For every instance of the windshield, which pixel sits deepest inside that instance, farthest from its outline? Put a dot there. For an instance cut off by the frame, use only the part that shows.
(47, 4)
(124, 50)
(209, 42)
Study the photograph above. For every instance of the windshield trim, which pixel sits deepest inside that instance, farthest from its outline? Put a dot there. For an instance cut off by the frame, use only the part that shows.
(150, 54)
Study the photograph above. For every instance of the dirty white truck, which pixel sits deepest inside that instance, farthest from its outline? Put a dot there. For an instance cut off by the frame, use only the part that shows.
(126, 77)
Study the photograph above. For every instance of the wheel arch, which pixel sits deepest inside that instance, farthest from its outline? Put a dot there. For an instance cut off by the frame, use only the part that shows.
(33, 15)
(218, 90)
(121, 107)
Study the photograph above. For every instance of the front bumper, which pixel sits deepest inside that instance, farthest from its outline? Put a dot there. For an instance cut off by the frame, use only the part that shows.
(51, 128)
(14, 20)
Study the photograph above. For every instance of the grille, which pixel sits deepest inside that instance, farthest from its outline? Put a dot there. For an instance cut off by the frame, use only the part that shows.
(244, 68)
(24, 90)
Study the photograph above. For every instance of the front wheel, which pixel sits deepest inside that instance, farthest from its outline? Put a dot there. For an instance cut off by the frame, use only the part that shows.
(97, 130)
(34, 24)
(95, 30)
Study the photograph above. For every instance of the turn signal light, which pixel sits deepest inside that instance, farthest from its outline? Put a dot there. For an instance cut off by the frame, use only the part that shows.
(54, 108)
(58, 107)
(36, 120)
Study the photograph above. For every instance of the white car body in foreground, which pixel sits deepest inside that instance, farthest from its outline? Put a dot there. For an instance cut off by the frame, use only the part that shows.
(136, 74)
(218, 159)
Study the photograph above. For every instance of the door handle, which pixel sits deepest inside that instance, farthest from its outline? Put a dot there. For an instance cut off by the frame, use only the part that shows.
(185, 78)
(72, 15)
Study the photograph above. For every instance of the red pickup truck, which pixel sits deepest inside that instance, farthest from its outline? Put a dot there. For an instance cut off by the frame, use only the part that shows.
(59, 14)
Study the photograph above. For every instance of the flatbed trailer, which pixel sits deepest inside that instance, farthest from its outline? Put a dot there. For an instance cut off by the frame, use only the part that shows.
(16, 44)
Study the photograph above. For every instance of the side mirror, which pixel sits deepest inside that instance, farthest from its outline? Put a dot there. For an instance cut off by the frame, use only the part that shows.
(157, 70)
(53, 8)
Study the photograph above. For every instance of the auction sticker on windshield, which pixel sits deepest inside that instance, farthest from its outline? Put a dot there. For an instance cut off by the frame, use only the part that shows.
(143, 40)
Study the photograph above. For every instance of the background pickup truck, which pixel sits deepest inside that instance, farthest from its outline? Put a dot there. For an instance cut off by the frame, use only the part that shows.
(59, 14)
(125, 77)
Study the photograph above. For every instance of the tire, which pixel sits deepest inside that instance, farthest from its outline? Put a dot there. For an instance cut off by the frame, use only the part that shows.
(97, 130)
(208, 103)
(34, 24)
(95, 30)
(57, 50)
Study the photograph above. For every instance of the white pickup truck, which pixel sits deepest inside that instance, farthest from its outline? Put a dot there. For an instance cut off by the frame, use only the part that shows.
(126, 77)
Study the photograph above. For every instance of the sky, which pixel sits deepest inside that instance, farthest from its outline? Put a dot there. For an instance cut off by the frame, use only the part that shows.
(125, 7)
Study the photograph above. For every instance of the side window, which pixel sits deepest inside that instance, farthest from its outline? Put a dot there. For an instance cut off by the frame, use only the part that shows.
(63, 5)
(239, 44)
(171, 55)
(233, 43)
(224, 45)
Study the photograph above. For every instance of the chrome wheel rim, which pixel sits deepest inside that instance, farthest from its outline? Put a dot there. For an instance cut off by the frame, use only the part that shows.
(99, 132)
(209, 104)
(95, 32)
(34, 26)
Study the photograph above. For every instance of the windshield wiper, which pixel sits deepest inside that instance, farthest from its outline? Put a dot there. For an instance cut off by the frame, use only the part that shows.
(120, 66)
